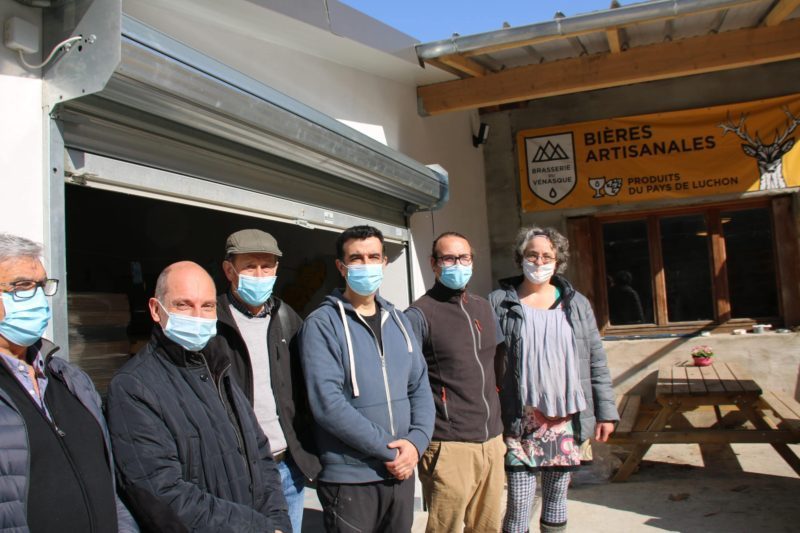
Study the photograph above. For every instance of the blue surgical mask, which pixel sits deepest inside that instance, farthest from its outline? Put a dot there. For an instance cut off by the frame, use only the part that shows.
(191, 332)
(455, 277)
(255, 290)
(364, 279)
(25, 320)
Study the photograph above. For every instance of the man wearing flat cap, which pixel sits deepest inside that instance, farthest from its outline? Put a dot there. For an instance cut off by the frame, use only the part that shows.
(257, 330)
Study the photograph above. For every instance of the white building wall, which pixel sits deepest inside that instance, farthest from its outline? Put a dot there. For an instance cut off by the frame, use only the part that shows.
(22, 150)
(344, 85)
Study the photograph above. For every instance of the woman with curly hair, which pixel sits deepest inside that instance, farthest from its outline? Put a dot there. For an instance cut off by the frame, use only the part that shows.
(556, 389)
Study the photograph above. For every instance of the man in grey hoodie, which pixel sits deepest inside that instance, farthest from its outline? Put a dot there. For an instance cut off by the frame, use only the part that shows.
(368, 390)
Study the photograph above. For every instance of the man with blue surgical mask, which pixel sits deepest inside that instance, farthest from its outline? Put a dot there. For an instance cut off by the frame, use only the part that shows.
(190, 452)
(464, 349)
(57, 472)
(257, 331)
(368, 390)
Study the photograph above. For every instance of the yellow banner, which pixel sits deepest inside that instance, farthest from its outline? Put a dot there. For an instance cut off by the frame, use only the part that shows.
(698, 152)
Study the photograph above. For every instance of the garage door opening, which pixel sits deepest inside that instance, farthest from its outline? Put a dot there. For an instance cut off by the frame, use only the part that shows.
(117, 244)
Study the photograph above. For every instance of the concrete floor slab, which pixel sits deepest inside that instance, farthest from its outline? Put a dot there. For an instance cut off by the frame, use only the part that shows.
(741, 488)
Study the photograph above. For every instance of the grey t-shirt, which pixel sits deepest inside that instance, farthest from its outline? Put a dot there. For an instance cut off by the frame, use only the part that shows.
(549, 379)
(254, 333)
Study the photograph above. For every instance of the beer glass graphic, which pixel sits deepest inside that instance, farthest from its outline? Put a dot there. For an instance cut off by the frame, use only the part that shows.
(597, 184)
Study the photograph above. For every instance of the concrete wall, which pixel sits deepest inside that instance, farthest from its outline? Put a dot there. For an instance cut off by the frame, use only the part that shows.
(21, 136)
(347, 88)
(771, 358)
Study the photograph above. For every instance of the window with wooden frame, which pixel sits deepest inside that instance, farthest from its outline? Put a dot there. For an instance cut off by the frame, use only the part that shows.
(687, 269)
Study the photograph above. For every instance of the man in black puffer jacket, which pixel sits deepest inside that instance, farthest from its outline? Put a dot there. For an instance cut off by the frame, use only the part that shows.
(189, 451)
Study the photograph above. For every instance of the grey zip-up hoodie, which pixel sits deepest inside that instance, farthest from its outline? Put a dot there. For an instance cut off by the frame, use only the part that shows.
(363, 396)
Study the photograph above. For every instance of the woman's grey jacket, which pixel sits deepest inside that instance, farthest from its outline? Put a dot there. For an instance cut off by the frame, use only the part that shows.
(592, 362)
(14, 450)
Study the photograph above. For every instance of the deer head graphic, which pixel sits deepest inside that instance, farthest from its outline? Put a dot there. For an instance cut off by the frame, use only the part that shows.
(768, 156)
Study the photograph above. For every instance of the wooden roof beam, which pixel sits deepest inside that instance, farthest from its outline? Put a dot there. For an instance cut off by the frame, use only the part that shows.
(465, 65)
(612, 36)
(728, 50)
(779, 12)
(447, 68)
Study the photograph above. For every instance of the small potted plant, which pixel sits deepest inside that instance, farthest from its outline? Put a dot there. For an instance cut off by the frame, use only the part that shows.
(702, 355)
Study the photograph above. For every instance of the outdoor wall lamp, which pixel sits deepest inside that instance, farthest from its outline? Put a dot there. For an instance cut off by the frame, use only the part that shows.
(483, 134)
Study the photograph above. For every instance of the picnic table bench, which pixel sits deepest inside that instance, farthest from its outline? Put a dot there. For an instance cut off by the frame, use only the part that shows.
(680, 388)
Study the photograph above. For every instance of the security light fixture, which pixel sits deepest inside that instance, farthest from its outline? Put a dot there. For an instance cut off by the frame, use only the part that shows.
(482, 136)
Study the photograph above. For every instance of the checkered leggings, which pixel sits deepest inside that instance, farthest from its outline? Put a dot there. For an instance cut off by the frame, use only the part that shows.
(521, 492)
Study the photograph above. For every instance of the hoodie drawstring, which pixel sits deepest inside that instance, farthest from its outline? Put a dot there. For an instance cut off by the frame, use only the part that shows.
(350, 355)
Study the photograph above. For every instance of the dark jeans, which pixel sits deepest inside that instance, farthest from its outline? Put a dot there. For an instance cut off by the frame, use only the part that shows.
(384, 506)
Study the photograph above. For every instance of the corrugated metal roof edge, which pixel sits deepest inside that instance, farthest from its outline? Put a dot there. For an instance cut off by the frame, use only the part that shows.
(586, 22)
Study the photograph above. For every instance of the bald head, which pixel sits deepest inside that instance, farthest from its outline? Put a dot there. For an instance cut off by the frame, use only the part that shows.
(184, 288)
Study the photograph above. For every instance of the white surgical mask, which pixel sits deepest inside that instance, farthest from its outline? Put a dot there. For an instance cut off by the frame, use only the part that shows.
(538, 274)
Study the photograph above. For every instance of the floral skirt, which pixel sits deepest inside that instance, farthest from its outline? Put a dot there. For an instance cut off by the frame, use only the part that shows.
(545, 444)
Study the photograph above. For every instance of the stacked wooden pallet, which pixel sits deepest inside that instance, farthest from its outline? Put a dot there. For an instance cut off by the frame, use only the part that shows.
(98, 339)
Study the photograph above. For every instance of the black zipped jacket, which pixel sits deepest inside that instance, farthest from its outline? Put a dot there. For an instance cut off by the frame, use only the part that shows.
(286, 375)
(458, 334)
(190, 454)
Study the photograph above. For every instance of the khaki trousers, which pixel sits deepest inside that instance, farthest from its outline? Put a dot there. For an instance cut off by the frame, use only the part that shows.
(462, 484)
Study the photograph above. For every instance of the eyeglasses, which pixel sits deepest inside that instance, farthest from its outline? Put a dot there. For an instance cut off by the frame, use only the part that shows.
(450, 260)
(26, 288)
(533, 257)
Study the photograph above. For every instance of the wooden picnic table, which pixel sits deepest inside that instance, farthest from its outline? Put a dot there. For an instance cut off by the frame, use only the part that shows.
(681, 388)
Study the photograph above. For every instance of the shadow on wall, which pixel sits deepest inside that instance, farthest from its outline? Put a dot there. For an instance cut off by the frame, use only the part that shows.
(651, 359)
(771, 358)
(646, 388)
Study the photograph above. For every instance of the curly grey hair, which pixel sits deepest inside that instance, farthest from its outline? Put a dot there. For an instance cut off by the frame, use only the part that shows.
(14, 246)
(559, 242)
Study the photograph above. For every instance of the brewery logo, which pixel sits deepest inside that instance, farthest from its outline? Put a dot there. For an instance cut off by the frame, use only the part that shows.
(551, 166)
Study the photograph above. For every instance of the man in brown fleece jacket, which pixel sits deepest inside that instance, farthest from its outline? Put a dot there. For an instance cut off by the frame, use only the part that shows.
(463, 347)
